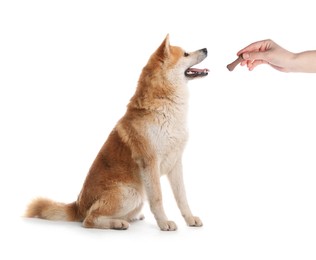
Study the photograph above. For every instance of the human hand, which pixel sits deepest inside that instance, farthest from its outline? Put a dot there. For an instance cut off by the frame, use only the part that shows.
(266, 52)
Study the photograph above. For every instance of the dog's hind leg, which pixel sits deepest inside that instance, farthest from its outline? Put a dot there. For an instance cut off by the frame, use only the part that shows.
(96, 220)
(114, 210)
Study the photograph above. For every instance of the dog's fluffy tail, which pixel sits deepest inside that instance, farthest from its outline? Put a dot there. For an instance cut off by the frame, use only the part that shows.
(51, 210)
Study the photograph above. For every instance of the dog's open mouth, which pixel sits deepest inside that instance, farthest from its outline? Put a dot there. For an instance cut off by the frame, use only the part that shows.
(193, 72)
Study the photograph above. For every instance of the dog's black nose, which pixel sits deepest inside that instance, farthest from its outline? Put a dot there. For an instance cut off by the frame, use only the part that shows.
(204, 50)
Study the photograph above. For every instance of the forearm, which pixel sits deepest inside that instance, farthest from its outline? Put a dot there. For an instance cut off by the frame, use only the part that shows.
(304, 62)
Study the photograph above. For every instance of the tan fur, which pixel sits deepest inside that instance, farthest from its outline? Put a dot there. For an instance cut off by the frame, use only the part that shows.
(146, 143)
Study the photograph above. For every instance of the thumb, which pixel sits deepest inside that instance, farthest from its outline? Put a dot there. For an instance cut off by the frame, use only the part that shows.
(254, 55)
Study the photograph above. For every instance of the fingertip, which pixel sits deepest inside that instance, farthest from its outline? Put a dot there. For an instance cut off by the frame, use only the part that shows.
(245, 56)
(240, 52)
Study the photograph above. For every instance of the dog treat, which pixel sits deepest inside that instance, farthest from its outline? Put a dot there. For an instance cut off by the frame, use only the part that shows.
(233, 65)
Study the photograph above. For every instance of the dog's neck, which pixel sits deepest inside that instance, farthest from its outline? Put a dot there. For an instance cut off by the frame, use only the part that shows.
(153, 95)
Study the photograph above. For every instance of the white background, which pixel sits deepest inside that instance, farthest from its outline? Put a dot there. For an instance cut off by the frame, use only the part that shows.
(67, 72)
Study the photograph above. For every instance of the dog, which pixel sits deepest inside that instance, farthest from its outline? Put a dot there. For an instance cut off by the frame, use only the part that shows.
(146, 143)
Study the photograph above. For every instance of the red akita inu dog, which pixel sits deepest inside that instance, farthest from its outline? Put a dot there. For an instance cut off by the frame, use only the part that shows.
(146, 143)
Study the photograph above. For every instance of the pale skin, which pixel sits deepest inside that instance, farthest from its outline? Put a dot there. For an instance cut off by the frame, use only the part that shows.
(268, 52)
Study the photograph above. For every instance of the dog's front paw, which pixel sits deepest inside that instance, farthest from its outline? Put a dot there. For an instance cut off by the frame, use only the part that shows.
(193, 221)
(167, 225)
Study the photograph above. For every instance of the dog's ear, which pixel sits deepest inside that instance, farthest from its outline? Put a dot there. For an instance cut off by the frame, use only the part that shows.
(164, 49)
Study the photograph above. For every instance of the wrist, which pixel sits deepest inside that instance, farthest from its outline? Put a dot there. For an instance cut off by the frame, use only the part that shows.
(304, 62)
(294, 62)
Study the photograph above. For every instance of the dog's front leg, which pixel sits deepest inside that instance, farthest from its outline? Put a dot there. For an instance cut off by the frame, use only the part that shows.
(151, 177)
(177, 184)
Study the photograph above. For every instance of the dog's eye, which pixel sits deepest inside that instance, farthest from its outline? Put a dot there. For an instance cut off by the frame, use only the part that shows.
(186, 54)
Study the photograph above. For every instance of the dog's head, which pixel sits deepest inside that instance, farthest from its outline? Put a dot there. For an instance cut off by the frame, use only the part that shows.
(177, 63)
(165, 76)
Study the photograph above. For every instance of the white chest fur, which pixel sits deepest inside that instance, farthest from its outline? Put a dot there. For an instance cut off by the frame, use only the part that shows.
(168, 132)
